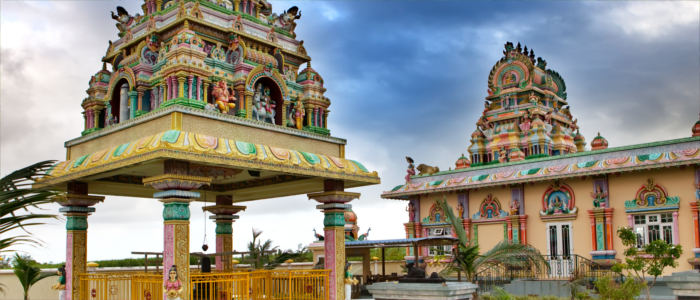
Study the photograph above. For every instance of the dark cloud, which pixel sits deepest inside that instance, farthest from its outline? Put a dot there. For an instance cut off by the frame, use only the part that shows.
(404, 77)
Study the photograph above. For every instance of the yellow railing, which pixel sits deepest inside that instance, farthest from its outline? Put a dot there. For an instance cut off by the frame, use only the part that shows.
(255, 285)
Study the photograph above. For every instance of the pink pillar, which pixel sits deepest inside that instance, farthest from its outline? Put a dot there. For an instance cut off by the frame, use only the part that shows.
(675, 228)
(630, 220)
(333, 207)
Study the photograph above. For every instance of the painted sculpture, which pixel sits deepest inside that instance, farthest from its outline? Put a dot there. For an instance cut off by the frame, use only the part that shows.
(263, 105)
(60, 286)
(319, 237)
(224, 99)
(123, 19)
(349, 281)
(558, 199)
(411, 211)
(599, 197)
(172, 287)
(411, 170)
(287, 20)
(424, 169)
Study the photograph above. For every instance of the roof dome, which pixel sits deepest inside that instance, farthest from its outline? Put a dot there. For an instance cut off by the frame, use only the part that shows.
(599, 143)
(350, 217)
(309, 76)
(516, 155)
(462, 163)
(579, 137)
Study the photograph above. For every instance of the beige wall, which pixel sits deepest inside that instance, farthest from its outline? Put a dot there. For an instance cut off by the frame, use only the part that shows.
(677, 182)
(39, 291)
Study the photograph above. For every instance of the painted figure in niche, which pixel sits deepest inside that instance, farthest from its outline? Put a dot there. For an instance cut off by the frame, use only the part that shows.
(123, 19)
(557, 204)
(60, 286)
(410, 171)
(514, 207)
(525, 124)
(599, 197)
(460, 210)
(172, 287)
(411, 209)
(503, 155)
(263, 105)
(224, 99)
(234, 51)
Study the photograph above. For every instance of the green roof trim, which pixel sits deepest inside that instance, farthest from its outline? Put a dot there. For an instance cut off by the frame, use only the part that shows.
(578, 154)
(359, 165)
(436, 182)
(79, 161)
(396, 188)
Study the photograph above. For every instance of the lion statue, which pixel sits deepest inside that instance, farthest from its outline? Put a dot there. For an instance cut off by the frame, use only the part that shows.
(424, 169)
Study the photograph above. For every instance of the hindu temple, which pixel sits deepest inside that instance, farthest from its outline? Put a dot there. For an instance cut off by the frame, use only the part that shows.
(210, 101)
(529, 178)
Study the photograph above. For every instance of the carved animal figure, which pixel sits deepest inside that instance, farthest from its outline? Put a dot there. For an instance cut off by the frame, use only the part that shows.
(424, 169)
(319, 237)
(365, 235)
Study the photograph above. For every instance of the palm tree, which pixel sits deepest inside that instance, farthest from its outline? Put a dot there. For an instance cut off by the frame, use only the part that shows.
(28, 273)
(16, 194)
(469, 261)
(259, 252)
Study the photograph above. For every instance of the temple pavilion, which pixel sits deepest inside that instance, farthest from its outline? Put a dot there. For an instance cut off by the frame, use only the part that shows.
(528, 178)
(206, 100)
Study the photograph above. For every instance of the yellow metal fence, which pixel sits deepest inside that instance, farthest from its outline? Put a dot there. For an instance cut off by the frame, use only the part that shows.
(255, 285)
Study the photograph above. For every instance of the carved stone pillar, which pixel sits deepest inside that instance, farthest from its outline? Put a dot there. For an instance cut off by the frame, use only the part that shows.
(124, 102)
(180, 86)
(76, 207)
(249, 104)
(176, 194)
(139, 105)
(224, 216)
(132, 104)
(190, 87)
(333, 204)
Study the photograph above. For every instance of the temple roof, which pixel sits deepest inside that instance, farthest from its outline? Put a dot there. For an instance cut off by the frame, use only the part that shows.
(679, 152)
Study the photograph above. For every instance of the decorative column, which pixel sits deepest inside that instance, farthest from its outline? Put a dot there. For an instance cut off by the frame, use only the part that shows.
(180, 86)
(325, 118)
(523, 229)
(123, 102)
(694, 211)
(139, 104)
(248, 104)
(236, 5)
(333, 204)
(224, 215)
(176, 194)
(239, 92)
(609, 229)
(206, 88)
(76, 206)
(132, 104)
(190, 81)
(199, 88)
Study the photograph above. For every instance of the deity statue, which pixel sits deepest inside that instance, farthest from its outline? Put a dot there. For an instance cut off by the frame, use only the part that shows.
(599, 197)
(349, 281)
(60, 286)
(287, 20)
(503, 155)
(263, 105)
(514, 207)
(524, 124)
(411, 169)
(411, 209)
(556, 205)
(172, 287)
(460, 210)
(224, 99)
(123, 19)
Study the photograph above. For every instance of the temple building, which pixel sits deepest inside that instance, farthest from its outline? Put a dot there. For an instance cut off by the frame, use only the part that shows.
(528, 178)
(207, 101)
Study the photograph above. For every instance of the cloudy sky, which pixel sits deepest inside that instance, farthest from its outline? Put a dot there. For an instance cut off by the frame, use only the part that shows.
(404, 77)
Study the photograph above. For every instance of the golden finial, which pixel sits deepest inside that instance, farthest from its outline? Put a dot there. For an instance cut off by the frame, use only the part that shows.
(187, 24)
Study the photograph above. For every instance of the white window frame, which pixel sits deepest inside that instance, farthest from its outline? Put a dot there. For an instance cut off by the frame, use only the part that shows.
(560, 247)
(440, 231)
(642, 230)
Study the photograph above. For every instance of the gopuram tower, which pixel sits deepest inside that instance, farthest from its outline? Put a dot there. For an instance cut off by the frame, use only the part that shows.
(525, 113)
(204, 101)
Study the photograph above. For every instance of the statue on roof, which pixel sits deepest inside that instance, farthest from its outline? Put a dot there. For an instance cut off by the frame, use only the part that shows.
(411, 169)
(287, 20)
(123, 19)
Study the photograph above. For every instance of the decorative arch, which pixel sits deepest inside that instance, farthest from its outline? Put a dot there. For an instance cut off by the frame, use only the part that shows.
(264, 71)
(558, 199)
(437, 215)
(123, 73)
(652, 196)
(520, 63)
(490, 208)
